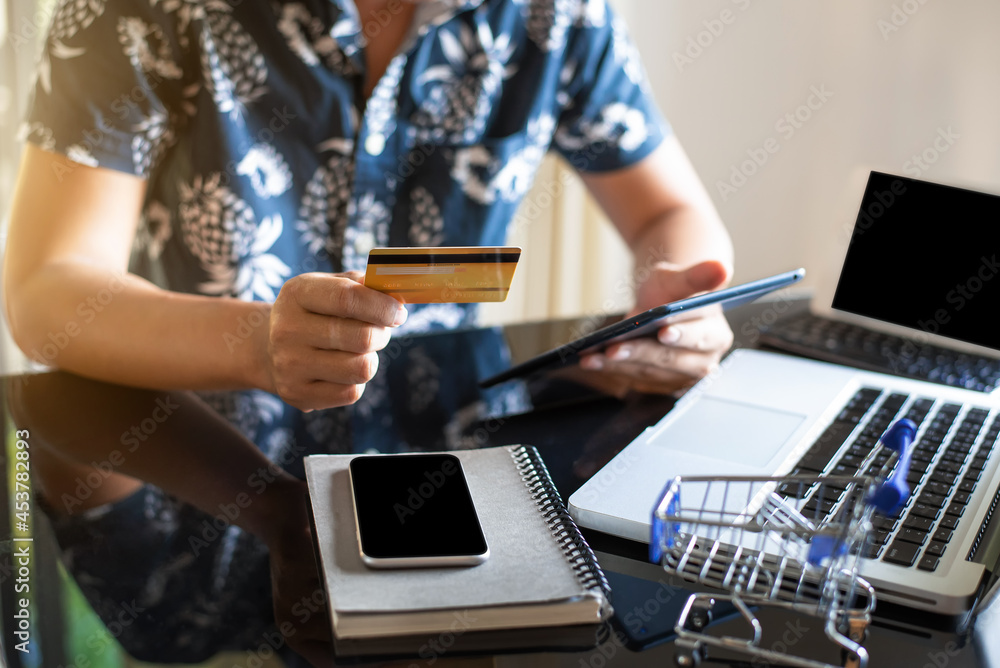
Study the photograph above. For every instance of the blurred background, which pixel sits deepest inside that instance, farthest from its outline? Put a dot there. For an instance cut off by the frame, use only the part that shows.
(910, 87)
(782, 106)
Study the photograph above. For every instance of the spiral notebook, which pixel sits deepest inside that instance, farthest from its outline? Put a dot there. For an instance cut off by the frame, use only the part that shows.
(541, 574)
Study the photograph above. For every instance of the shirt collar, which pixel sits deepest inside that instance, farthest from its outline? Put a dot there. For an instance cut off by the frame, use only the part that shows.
(429, 11)
(347, 24)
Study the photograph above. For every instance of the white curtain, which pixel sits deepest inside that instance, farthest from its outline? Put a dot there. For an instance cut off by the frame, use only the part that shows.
(22, 27)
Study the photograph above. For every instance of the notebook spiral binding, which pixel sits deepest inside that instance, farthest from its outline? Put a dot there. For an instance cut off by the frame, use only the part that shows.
(581, 557)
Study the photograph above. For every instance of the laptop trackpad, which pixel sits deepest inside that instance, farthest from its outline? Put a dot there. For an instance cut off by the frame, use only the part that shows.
(731, 432)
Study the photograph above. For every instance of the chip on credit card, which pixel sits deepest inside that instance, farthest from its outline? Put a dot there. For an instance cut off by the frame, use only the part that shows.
(447, 274)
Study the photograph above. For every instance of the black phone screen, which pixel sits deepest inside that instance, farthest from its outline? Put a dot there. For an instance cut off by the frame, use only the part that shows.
(414, 506)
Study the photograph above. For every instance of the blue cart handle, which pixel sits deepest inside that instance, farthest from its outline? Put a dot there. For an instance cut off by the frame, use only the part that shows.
(892, 493)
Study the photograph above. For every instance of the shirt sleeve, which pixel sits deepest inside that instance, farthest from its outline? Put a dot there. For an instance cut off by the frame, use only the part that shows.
(609, 119)
(109, 85)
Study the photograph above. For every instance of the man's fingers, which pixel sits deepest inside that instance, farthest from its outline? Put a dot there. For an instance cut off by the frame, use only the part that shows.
(341, 296)
(332, 333)
(639, 378)
(698, 335)
(701, 334)
(354, 275)
(325, 379)
(648, 360)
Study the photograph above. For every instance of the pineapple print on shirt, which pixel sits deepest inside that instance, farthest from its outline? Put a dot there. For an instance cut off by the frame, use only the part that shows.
(460, 92)
(326, 196)
(617, 124)
(267, 170)
(222, 232)
(487, 178)
(312, 42)
(233, 66)
(369, 228)
(154, 230)
(71, 17)
(426, 221)
(548, 21)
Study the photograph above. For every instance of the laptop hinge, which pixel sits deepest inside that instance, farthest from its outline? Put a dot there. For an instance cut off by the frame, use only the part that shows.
(985, 548)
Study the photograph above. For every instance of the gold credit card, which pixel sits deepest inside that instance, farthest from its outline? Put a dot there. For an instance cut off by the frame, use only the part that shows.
(448, 274)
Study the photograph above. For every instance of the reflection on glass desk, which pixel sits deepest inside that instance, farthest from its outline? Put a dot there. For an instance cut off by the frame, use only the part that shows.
(129, 581)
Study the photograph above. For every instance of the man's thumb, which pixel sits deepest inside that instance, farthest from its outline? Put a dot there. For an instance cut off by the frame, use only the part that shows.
(708, 275)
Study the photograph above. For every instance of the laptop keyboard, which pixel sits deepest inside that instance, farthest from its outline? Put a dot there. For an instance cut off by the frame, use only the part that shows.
(852, 345)
(949, 454)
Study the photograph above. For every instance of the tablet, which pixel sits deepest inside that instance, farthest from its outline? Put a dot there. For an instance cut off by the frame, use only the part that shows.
(646, 323)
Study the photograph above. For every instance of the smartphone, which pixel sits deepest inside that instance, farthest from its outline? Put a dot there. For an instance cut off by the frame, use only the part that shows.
(415, 511)
(646, 323)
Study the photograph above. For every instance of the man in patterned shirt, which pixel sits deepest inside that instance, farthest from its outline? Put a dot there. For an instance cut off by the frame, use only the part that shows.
(247, 155)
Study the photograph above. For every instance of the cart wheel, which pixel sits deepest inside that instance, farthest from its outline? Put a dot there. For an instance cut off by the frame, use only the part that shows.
(699, 619)
(687, 660)
(691, 656)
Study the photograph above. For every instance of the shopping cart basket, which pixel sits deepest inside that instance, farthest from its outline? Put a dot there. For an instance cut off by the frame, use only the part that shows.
(793, 542)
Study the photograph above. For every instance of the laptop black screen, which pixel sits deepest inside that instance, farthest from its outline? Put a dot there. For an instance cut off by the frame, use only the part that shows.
(925, 256)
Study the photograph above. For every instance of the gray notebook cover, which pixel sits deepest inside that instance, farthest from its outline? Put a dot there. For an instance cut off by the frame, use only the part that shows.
(526, 566)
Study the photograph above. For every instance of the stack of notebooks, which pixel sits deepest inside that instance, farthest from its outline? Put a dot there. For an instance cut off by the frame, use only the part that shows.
(540, 588)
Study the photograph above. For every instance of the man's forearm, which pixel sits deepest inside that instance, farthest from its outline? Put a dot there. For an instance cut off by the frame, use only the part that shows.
(122, 329)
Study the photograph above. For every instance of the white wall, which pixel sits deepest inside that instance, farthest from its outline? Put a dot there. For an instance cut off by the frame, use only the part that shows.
(899, 74)
(893, 91)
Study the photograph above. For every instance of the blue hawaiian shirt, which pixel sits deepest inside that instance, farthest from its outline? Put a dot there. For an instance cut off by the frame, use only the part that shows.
(263, 160)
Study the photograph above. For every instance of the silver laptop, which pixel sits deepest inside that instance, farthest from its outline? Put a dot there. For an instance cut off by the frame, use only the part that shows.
(918, 261)
(919, 264)
(762, 413)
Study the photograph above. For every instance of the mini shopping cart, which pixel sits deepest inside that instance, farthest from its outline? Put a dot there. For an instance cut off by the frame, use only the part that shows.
(793, 542)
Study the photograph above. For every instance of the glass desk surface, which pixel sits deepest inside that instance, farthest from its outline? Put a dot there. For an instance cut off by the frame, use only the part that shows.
(133, 591)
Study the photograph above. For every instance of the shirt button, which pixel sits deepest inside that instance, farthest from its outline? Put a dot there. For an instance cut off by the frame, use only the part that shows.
(375, 144)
